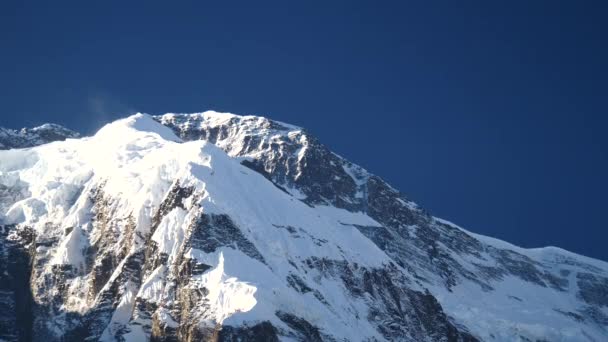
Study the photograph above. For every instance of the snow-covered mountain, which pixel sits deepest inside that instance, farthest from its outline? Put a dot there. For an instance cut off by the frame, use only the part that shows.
(30, 137)
(215, 226)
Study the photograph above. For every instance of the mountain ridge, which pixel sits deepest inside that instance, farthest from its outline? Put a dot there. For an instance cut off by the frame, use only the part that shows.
(30, 137)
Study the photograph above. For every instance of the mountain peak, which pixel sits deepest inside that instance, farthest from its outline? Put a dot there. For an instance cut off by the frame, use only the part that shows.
(212, 118)
(138, 123)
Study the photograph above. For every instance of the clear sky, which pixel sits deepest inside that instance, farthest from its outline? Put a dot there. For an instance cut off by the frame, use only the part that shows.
(491, 114)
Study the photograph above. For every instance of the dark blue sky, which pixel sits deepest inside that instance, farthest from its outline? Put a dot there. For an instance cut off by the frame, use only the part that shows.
(491, 114)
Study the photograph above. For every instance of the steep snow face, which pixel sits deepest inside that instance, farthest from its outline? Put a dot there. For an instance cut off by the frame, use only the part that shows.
(218, 226)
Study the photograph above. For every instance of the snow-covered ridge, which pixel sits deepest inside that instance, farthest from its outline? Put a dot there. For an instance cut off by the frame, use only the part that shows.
(214, 118)
(251, 125)
(547, 253)
(212, 224)
(29, 137)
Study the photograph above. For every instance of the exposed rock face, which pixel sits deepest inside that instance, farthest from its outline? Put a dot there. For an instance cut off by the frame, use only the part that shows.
(16, 303)
(30, 137)
(149, 232)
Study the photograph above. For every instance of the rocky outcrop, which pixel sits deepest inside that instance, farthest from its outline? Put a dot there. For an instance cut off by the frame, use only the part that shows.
(17, 249)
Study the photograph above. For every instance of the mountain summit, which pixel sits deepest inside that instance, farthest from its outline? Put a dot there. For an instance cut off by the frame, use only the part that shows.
(213, 226)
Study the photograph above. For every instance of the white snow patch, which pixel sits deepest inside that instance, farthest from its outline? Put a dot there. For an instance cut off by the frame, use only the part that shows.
(122, 313)
(71, 250)
(153, 287)
(170, 233)
(227, 295)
